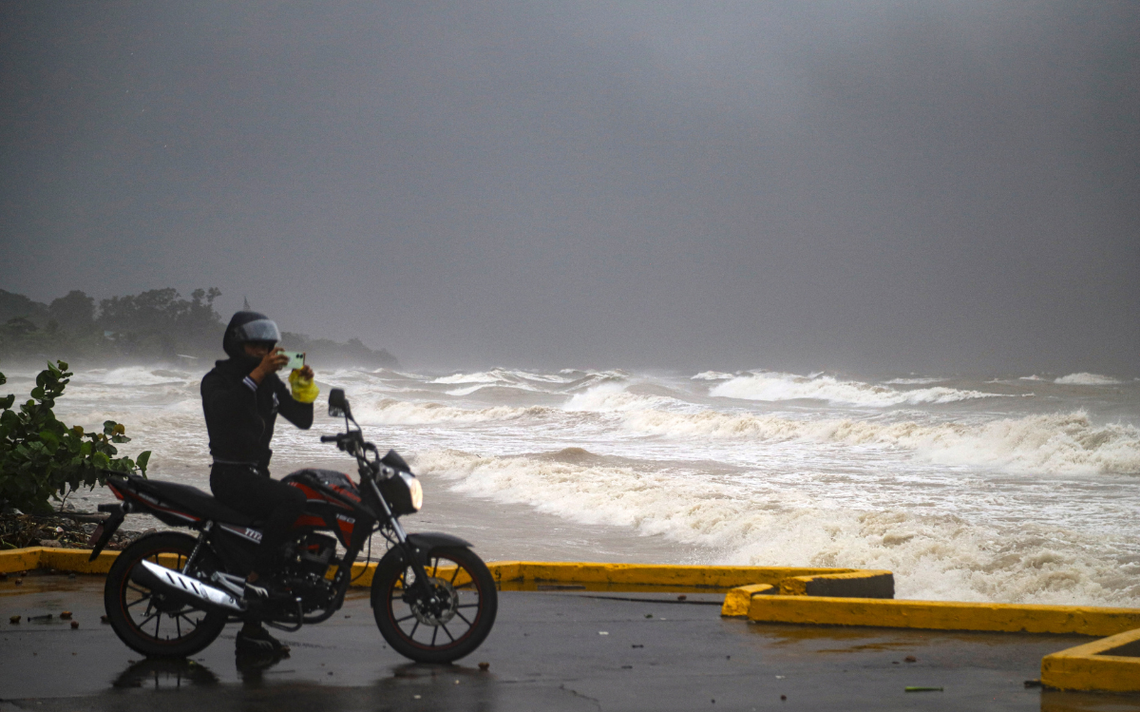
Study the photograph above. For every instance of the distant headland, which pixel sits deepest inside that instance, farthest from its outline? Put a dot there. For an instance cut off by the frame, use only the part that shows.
(155, 325)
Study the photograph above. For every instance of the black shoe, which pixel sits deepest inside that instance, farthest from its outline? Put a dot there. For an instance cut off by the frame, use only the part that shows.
(259, 641)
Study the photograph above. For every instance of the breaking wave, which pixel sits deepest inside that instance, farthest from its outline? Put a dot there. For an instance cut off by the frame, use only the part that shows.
(389, 411)
(769, 386)
(613, 397)
(933, 557)
(1087, 379)
(712, 376)
(1066, 443)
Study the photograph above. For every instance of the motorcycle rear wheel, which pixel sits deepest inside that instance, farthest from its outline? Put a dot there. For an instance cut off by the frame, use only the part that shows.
(137, 614)
(456, 626)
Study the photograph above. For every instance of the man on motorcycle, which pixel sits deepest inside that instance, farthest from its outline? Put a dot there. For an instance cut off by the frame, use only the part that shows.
(241, 398)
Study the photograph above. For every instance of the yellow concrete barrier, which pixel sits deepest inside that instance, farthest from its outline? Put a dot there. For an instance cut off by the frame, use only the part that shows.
(649, 576)
(20, 560)
(937, 615)
(855, 584)
(76, 560)
(737, 601)
(1107, 665)
(39, 557)
(852, 584)
(530, 575)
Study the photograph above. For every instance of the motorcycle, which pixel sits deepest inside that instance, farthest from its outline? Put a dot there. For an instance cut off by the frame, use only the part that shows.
(170, 594)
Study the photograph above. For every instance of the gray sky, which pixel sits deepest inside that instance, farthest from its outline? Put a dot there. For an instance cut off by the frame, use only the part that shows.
(888, 187)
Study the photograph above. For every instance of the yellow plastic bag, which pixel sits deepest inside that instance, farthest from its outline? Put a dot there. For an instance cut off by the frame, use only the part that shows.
(304, 390)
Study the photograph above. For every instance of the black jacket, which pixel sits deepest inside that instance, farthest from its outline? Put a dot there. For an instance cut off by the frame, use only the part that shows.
(240, 414)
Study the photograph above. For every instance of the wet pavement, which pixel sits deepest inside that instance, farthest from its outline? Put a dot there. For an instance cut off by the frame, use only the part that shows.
(554, 650)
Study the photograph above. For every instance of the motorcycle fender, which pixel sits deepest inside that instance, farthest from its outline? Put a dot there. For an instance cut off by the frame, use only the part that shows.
(423, 543)
(107, 529)
(426, 541)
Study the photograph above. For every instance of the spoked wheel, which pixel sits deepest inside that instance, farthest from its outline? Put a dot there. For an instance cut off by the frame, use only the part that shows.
(146, 620)
(450, 623)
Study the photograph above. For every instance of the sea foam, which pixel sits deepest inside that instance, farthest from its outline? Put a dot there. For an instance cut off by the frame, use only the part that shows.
(1087, 379)
(767, 386)
(1065, 443)
(932, 556)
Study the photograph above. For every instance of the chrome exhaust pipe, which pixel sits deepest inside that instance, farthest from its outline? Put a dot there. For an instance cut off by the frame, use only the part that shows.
(183, 588)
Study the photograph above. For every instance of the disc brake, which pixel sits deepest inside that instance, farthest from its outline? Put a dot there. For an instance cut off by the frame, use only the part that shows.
(442, 609)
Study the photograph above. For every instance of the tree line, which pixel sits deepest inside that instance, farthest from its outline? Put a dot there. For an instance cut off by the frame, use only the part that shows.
(156, 324)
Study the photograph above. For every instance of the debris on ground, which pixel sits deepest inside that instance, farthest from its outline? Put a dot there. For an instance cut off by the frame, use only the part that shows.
(66, 530)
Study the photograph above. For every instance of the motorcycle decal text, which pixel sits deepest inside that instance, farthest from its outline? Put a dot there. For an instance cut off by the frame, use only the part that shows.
(244, 532)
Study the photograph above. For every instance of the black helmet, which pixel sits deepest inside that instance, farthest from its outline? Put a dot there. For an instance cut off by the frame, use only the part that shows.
(247, 326)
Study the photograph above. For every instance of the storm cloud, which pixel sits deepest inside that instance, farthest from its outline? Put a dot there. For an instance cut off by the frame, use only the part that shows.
(868, 185)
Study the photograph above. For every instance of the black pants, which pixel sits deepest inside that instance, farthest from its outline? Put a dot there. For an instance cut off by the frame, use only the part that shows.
(275, 503)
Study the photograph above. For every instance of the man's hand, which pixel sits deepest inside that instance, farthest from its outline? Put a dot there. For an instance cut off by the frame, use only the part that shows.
(272, 362)
(302, 386)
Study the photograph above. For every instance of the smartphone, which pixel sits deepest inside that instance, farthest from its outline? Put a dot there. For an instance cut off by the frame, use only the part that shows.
(296, 360)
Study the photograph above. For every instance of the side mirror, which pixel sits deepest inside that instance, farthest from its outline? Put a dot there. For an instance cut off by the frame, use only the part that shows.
(338, 404)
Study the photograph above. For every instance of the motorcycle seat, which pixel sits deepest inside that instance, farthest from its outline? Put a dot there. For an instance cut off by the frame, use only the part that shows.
(196, 502)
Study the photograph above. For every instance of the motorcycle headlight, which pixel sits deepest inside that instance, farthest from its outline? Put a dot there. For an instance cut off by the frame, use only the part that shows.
(415, 490)
(403, 491)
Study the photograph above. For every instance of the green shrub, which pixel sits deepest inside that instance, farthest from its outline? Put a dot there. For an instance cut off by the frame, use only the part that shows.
(42, 459)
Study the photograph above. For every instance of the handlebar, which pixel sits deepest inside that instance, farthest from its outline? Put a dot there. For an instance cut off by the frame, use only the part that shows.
(329, 438)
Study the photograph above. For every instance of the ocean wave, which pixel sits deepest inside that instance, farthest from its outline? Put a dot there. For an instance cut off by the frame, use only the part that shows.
(134, 376)
(1087, 379)
(566, 381)
(712, 376)
(934, 557)
(613, 397)
(768, 386)
(1065, 443)
(479, 377)
(390, 411)
(467, 390)
(503, 375)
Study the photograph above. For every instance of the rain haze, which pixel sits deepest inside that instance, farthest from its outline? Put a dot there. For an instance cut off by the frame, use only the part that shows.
(882, 187)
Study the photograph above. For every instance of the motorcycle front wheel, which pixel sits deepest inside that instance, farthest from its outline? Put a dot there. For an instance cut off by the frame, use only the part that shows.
(443, 630)
(143, 618)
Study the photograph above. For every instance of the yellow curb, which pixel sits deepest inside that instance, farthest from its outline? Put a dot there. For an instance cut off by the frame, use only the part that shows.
(522, 575)
(718, 578)
(1107, 665)
(856, 584)
(737, 600)
(14, 560)
(41, 557)
(76, 560)
(936, 615)
(852, 584)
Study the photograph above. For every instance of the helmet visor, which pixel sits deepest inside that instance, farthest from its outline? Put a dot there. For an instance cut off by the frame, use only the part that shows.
(257, 330)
